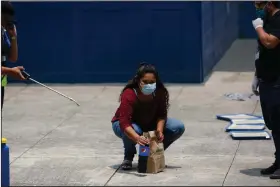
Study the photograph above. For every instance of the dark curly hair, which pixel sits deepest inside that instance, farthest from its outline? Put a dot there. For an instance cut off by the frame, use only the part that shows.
(142, 70)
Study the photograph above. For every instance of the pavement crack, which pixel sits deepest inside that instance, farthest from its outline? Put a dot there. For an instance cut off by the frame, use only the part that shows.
(255, 107)
(177, 96)
(180, 92)
(239, 142)
(110, 178)
(59, 125)
(69, 117)
(231, 163)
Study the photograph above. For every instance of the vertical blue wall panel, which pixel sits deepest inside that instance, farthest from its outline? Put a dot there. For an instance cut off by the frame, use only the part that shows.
(219, 27)
(247, 13)
(87, 42)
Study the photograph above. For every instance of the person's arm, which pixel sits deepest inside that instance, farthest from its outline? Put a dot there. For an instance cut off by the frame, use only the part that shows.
(14, 72)
(5, 70)
(130, 132)
(13, 55)
(126, 108)
(270, 41)
(160, 125)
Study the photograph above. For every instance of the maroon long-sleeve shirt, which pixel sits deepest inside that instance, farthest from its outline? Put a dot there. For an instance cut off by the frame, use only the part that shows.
(144, 112)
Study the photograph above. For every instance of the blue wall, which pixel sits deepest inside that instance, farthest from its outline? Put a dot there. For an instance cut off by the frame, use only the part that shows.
(88, 42)
(247, 13)
(219, 27)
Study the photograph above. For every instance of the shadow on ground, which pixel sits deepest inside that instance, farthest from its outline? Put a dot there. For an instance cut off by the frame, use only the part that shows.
(241, 51)
(134, 172)
(253, 172)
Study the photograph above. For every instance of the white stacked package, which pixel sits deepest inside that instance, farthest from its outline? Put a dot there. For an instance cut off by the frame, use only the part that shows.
(245, 126)
(230, 117)
(248, 121)
(250, 135)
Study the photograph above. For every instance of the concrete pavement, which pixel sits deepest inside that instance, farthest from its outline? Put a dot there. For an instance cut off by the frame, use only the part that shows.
(54, 142)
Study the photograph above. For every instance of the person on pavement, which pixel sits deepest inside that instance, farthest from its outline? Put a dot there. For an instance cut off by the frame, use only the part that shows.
(9, 48)
(144, 104)
(259, 5)
(268, 75)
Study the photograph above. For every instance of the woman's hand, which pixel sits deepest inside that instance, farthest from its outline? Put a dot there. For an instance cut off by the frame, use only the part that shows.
(14, 72)
(160, 136)
(141, 140)
(12, 31)
(131, 134)
(159, 130)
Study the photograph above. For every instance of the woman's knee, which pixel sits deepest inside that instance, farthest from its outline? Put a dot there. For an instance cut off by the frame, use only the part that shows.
(175, 126)
(118, 132)
(117, 129)
(180, 128)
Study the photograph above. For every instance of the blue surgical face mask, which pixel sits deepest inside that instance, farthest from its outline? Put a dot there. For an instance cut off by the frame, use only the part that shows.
(260, 13)
(148, 89)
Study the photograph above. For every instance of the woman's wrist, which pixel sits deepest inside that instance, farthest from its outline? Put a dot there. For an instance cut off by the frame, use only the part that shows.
(136, 138)
(159, 130)
(160, 125)
(5, 70)
(131, 134)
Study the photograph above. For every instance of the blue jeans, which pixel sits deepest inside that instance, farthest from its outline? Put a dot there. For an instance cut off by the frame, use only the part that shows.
(173, 130)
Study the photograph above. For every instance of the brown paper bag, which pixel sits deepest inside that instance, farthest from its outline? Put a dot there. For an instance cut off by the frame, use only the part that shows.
(156, 160)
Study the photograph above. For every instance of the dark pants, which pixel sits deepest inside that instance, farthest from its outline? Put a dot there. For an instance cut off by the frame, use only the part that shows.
(2, 95)
(173, 130)
(270, 104)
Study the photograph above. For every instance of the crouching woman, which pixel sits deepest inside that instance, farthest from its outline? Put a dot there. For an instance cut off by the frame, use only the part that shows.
(144, 103)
